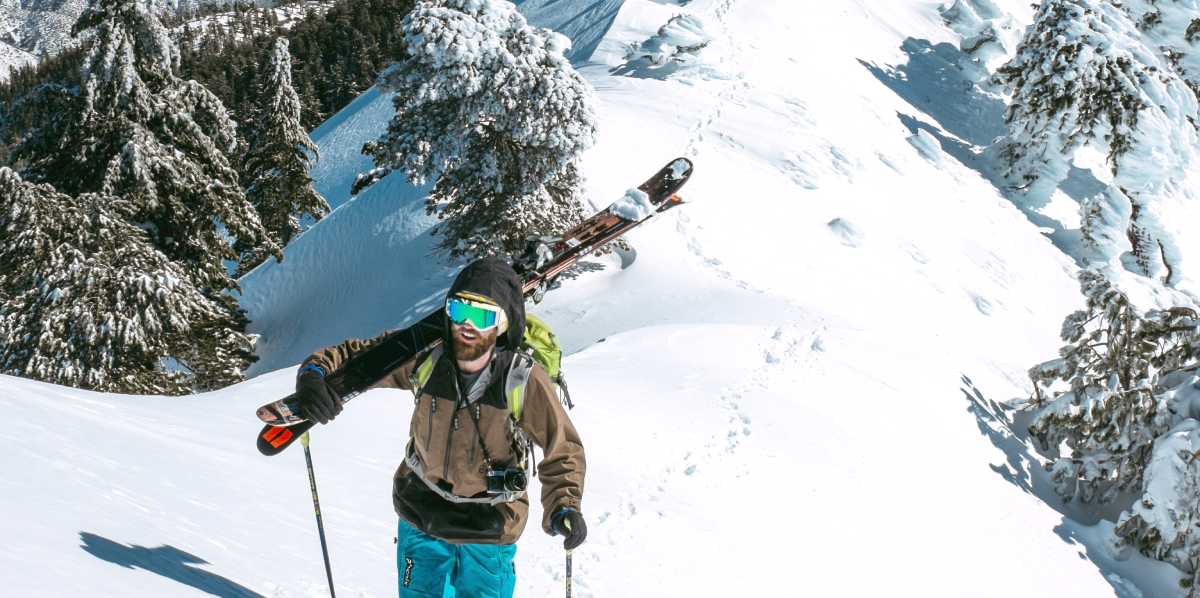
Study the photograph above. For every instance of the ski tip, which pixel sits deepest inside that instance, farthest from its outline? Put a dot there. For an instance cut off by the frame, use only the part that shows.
(681, 168)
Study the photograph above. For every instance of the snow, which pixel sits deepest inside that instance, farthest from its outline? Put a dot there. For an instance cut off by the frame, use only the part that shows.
(12, 58)
(44, 28)
(681, 40)
(286, 15)
(634, 205)
(793, 389)
(679, 168)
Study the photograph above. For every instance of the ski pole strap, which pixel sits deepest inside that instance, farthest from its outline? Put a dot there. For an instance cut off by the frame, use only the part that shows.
(558, 514)
(415, 465)
(312, 367)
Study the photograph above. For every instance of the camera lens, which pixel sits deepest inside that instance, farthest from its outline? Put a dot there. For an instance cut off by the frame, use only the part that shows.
(514, 480)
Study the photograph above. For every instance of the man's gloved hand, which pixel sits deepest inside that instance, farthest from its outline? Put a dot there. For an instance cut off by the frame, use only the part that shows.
(318, 402)
(569, 523)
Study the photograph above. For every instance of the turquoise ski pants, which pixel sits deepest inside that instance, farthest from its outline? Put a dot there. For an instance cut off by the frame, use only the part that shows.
(434, 568)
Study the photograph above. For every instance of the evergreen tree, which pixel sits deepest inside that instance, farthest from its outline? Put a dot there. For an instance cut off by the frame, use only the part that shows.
(488, 108)
(277, 163)
(159, 143)
(1083, 75)
(221, 60)
(1109, 417)
(87, 301)
(1165, 523)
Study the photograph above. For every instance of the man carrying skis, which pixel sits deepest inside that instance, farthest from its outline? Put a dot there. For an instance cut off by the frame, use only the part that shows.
(481, 405)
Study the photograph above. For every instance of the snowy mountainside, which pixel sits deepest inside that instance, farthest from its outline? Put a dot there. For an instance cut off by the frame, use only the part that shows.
(792, 389)
(827, 216)
(39, 28)
(12, 57)
(34, 29)
(285, 15)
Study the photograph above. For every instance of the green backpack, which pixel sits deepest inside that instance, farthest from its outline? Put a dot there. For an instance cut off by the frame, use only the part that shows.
(540, 344)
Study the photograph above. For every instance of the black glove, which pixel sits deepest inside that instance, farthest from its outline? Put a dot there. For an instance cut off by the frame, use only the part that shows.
(569, 523)
(317, 400)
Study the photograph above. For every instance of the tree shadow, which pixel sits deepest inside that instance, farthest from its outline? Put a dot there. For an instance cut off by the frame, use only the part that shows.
(950, 87)
(997, 429)
(167, 561)
(575, 271)
(642, 68)
(953, 89)
(1086, 525)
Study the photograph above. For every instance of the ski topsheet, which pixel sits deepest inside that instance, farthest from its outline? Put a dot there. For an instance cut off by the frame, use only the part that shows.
(544, 260)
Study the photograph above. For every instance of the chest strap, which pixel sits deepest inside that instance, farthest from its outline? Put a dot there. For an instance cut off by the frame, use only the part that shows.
(415, 465)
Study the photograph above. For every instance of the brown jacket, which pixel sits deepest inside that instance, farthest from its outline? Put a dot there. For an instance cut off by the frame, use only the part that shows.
(450, 452)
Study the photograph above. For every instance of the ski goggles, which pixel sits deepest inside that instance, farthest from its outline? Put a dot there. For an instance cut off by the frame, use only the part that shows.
(479, 311)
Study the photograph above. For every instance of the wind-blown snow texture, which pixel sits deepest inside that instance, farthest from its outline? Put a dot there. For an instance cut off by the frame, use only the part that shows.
(792, 390)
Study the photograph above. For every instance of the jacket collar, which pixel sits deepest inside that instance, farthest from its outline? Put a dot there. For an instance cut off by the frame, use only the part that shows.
(488, 389)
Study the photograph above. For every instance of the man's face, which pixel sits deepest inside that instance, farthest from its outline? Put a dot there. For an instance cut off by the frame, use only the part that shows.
(469, 344)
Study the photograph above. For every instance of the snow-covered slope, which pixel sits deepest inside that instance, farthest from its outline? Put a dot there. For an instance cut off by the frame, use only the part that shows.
(790, 391)
(34, 28)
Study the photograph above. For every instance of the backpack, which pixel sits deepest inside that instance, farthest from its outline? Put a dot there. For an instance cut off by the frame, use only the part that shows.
(539, 344)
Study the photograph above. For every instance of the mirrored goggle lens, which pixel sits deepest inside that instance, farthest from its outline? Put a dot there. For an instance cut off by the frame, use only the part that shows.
(461, 312)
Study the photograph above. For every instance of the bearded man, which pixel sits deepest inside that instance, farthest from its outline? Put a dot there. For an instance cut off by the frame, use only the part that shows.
(480, 408)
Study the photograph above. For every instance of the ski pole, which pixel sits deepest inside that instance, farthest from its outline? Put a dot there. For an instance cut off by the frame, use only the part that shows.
(568, 574)
(567, 523)
(312, 481)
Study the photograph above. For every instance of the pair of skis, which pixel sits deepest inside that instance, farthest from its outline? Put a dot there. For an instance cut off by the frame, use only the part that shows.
(544, 260)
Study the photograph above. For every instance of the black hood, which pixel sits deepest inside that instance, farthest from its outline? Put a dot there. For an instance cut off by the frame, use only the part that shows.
(495, 279)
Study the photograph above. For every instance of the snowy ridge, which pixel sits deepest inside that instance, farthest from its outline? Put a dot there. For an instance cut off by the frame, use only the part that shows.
(33, 29)
(285, 15)
(795, 388)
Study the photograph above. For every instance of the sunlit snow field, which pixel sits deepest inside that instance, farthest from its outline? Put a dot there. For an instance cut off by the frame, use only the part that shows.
(790, 391)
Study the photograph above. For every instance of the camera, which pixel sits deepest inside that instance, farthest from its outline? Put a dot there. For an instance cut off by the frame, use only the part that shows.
(505, 479)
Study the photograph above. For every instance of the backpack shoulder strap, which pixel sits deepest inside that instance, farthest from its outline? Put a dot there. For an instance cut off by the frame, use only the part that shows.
(424, 371)
(514, 386)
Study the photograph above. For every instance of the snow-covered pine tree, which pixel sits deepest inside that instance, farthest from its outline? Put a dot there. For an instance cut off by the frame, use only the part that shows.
(1104, 425)
(1083, 75)
(160, 144)
(1165, 523)
(87, 301)
(156, 141)
(489, 109)
(277, 163)
(1109, 418)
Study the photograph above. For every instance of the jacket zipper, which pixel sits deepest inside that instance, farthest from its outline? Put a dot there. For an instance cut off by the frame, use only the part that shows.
(474, 437)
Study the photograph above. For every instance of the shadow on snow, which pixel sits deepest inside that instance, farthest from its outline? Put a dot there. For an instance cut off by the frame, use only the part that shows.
(952, 89)
(1086, 526)
(167, 561)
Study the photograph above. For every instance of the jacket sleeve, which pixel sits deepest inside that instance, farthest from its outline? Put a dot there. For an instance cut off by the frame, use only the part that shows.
(562, 468)
(331, 358)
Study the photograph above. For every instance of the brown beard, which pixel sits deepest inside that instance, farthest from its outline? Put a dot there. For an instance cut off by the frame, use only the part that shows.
(463, 351)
